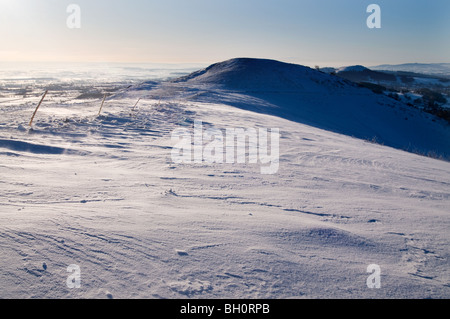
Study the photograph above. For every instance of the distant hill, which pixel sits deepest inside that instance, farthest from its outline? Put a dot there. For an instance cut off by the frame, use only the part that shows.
(360, 73)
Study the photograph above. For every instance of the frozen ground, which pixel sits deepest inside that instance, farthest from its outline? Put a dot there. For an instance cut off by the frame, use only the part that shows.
(103, 193)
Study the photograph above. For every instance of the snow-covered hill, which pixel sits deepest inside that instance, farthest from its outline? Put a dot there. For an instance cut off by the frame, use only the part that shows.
(360, 73)
(352, 68)
(103, 193)
(311, 97)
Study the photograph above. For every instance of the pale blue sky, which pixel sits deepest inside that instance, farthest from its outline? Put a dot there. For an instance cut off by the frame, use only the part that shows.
(323, 32)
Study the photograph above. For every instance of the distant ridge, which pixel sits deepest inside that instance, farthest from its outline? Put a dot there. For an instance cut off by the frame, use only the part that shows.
(424, 68)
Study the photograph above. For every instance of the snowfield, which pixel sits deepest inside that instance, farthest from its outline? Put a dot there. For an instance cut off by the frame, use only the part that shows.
(103, 193)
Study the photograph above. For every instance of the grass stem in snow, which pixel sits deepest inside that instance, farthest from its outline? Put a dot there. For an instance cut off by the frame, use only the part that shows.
(103, 102)
(35, 111)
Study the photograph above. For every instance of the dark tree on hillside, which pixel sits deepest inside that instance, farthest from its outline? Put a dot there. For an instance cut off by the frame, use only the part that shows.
(432, 99)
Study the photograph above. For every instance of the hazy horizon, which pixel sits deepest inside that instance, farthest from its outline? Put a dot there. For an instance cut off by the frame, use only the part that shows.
(324, 33)
(14, 65)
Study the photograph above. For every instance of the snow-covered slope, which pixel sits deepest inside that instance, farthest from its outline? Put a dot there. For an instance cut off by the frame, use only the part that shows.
(103, 193)
(308, 96)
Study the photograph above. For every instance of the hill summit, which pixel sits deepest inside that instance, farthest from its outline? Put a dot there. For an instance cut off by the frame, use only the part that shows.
(258, 75)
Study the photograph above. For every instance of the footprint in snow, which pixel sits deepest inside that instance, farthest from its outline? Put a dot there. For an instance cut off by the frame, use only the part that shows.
(182, 252)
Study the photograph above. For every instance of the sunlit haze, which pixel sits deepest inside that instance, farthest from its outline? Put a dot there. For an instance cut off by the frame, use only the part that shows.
(324, 32)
